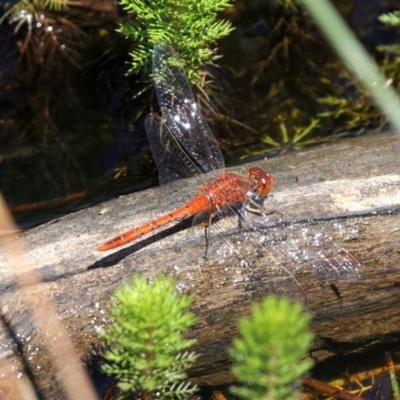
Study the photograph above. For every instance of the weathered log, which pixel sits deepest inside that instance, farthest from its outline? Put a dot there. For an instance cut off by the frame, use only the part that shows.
(348, 191)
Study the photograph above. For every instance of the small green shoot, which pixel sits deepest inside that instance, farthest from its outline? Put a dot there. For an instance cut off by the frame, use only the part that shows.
(268, 355)
(145, 347)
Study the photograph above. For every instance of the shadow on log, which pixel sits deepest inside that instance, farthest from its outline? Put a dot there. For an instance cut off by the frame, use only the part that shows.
(342, 198)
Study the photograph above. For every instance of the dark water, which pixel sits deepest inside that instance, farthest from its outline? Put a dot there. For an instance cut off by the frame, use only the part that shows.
(71, 114)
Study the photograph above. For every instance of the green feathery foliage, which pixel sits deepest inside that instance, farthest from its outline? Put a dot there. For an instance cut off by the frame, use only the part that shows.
(188, 26)
(392, 18)
(267, 357)
(146, 350)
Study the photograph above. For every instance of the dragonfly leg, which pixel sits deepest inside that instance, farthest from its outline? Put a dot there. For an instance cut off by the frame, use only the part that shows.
(254, 207)
(207, 229)
(242, 216)
(204, 219)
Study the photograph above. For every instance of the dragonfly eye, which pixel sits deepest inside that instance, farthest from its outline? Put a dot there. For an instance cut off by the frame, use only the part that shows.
(261, 181)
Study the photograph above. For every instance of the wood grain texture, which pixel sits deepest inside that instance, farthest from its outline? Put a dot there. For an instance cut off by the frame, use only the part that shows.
(348, 191)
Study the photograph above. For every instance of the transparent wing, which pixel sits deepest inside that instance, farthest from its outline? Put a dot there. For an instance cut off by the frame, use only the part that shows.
(295, 257)
(182, 143)
(172, 160)
(313, 249)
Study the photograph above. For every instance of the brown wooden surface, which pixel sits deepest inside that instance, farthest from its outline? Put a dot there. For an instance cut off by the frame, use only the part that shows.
(348, 190)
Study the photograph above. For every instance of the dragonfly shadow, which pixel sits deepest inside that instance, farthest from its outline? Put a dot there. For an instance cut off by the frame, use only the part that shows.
(114, 258)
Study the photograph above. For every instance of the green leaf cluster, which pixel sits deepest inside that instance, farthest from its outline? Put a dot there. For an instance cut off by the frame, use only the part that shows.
(188, 26)
(392, 18)
(146, 350)
(267, 357)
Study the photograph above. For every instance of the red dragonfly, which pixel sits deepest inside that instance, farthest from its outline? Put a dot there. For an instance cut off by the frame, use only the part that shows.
(227, 190)
(183, 145)
(169, 141)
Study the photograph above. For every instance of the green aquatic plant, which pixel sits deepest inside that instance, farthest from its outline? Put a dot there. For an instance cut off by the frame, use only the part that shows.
(146, 350)
(301, 136)
(392, 18)
(356, 57)
(190, 27)
(268, 355)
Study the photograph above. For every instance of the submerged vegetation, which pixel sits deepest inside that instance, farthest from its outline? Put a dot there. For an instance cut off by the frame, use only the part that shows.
(52, 119)
(304, 94)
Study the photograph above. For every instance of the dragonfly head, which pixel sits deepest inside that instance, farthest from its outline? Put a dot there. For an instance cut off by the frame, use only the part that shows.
(261, 181)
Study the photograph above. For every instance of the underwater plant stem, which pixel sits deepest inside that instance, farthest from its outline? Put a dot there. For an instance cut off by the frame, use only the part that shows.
(353, 53)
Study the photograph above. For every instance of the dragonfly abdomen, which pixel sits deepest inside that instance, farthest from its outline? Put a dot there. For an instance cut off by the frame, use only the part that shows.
(197, 205)
(228, 189)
